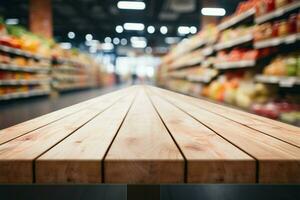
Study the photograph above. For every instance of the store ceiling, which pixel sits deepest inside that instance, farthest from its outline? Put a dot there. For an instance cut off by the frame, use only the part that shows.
(100, 17)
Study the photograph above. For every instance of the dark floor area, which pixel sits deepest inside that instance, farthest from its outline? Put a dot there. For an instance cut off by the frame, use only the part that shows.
(17, 111)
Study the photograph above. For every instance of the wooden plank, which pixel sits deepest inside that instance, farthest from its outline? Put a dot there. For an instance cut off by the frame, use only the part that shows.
(210, 158)
(285, 132)
(25, 127)
(143, 151)
(278, 161)
(78, 159)
(28, 147)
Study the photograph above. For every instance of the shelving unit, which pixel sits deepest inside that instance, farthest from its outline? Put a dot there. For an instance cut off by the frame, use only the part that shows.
(290, 39)
(69, 74)
(238, 41)
(241, 62)
(237, 64)
(282, 81)
(236, 20)
(10, 67)
(20, 52)
(24, 82)
(18, 95)
(277, 13)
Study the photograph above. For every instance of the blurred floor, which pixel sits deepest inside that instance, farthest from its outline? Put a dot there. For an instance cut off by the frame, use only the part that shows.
(17, 111)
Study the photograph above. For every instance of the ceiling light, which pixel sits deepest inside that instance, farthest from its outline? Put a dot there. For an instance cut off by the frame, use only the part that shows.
(183, 30)
(88, 37)
(119, 29)
(71, 35)
(151, 29)
(193, 29)
(12, 21)
(164, 30)
(107, 46)
(213, 11)
(135, 38)
(116, 41)
(65, 45)
(139, 44)
(134, 26)
(131, 5)
(107, 40)
(123, 41)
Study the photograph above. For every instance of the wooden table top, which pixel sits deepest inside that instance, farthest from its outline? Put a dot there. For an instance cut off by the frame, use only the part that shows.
(144, 134)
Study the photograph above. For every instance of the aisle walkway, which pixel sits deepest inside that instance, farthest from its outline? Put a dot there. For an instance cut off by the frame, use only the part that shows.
(17, 111)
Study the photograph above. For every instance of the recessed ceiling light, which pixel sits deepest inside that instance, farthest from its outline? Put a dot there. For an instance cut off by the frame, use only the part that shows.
(138, 42)
(71, 35)
(119, 29)
(193, 29)
(183, 30)
(213, 11)
(88, 37)
(134, 26)
(164, 30)
(116, 41)
(151, 29)
(123, 41)
(131, 5)
(107, 40)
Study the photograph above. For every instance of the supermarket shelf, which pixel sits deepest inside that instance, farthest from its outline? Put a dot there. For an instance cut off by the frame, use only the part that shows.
(277, 13)
(200, 79)
(18, 95)
(189, 63)
(20, 52)
(283, 81)
(233, 65)
(11, 67)
(24, 82)
(72, 87)
(69, 69)
(277, 41)
(70, 78)
(236, 19)
(183, 48)
(235, 42)
(69, 61)
(208, 51)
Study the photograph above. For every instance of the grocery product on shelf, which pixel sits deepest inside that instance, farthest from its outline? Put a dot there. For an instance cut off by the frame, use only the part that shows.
(31, 64)
(280, 28)
(288, 65)
(237, 88)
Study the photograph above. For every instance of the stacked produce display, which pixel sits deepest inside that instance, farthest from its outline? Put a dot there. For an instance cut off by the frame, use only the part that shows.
(31, 65)
(250, 60)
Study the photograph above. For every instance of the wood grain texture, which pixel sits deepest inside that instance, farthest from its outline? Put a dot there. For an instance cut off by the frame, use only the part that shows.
(210, 158)
(278, 161)
(78, 159)
(285, 132)
(27, 126)
(28, 147)
(143, 151)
